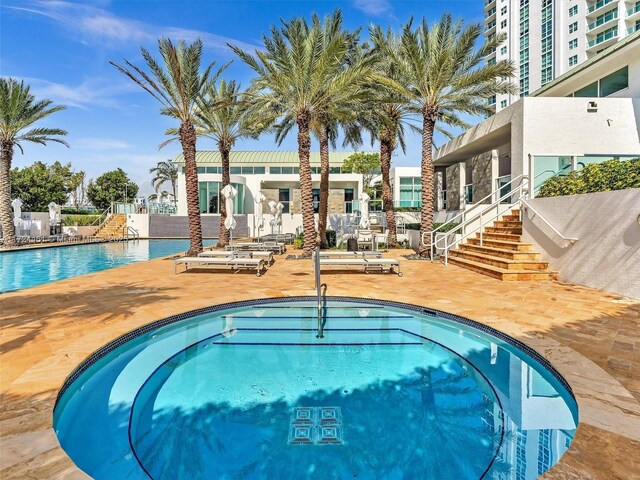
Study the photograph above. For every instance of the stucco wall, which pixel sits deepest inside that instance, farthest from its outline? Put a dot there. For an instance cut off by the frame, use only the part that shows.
(607, 254)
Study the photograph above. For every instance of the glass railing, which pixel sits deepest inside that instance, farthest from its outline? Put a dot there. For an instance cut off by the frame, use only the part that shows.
(598, 5)
(633, 29)
(604, 37)
(161, 208)
(490, 13)
(633, 10)
(488, 2)
(612, 15)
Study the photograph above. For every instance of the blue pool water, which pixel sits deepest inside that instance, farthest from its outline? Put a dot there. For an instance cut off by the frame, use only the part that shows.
(249, 392)
(28, 268)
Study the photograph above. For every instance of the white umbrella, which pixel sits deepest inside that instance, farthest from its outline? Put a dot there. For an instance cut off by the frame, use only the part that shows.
(279, 209)
(273, 210)
(229, 193)
(17, 212)
(258, 199)
(364, 210)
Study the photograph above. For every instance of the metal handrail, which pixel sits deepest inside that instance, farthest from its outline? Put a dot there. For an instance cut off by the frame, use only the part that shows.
(126, 230)
(523, 189)
(571, 240)
(465, 213)
(319, 285)
(102, 218)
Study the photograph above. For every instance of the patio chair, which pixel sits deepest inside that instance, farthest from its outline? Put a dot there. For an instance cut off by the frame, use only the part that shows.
(365, 238)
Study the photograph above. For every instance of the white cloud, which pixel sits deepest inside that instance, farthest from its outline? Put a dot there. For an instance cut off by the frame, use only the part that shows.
(91, 24)
(90, 92)
(375, 8)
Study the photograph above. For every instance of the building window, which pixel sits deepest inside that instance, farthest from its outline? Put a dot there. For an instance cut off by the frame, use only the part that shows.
(491, 61)
(503, 11)
(209, 197)
(490, 25)
(335, 169)
(614, 82)
(316, 200)
(590, 90)
(201, 169)
(503, 104)
(348, 200)
(573, 27)
(275, 170)
(503, 50)
(573, 11)
(503, 24)
(284, 197)
(411, 191)
(573, 44)
(258, 170)
(573, 60)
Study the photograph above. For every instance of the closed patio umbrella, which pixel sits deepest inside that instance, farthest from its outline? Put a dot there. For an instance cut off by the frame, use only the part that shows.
(17, 213)
(259, 219)
(364, 210)
(279, 209)
(273, 211)
(229, 193)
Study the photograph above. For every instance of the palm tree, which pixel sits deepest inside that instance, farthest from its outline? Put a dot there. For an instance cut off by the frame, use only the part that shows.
(445, 78)
(163, 172)
(296, 80)
(177, 84)
(225, 115)
(19, 110)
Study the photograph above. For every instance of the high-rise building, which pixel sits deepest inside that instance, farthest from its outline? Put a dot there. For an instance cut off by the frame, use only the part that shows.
(546, 38)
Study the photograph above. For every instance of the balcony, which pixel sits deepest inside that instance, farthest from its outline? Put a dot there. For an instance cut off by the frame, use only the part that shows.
(634, 29)
(634, 12)
(604, 39)
(489, 3)
(602, 22)
(490, 15)
(596, 8)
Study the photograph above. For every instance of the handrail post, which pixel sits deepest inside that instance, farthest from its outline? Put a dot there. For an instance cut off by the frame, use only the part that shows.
(481, 229)
(320, 332)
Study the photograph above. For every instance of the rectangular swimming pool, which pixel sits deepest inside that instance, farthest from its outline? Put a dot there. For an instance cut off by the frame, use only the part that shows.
(28, 268)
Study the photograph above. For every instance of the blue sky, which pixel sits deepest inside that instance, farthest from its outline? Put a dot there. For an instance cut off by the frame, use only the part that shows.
(62, 49)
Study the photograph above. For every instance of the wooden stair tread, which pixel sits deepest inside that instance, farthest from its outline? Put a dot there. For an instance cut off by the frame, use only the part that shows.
(505, 242)
(500, 259)
(500, 272)
(494, 249)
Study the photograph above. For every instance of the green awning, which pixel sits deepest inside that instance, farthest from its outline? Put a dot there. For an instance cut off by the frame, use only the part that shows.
(263, 157)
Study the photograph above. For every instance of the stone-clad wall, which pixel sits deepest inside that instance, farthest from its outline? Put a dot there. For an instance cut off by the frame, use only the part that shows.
(270, 194)
(483, 173)
(336, 200)
(455, 175)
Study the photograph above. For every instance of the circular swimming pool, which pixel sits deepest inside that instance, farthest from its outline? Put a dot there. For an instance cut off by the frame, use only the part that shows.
(246, 390)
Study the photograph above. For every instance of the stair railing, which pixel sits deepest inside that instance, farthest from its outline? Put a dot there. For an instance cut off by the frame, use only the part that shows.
(528, 206)
(102, 218)
(463, 219)
(484, 217)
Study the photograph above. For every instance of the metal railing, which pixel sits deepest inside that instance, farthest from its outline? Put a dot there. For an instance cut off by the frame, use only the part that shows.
(478, 211)
(598, 5)
(526, 204)
(319, 287)
(607, 17)
(128, 232)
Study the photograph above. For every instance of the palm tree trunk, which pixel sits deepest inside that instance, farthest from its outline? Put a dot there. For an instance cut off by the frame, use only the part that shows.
(386, 149)
(306, 191)
(188, 141)
(426, 171)
(225, 235)
(6, 214)
(323, 210)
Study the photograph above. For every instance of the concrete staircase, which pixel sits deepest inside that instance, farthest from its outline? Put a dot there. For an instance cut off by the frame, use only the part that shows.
(503, 254)
(112, 227)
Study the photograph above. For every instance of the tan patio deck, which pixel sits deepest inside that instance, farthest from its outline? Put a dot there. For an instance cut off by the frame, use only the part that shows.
(591, 337)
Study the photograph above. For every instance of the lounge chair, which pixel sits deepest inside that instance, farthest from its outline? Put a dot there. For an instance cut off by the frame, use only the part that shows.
(266, 255)
(366, 264)
(277, 247)
(358, 254)
(232, 261)
(365, 238)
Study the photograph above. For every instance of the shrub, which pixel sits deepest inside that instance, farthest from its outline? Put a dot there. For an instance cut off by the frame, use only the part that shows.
(298, 242)
(78, 211)
(331, 238)
(79, 220)
(595, 177)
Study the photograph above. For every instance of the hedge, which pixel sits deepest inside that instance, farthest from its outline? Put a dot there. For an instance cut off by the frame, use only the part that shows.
(79, 220)
(595, 177)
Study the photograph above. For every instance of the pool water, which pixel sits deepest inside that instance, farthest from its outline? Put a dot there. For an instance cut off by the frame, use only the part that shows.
(250, 392)
(28, 268)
